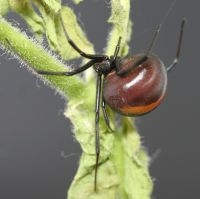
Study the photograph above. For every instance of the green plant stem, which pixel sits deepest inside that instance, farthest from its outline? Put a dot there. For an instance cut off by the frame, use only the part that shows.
(35, 57)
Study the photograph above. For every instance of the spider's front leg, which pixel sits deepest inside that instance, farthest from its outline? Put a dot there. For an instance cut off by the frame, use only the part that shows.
(68, 73)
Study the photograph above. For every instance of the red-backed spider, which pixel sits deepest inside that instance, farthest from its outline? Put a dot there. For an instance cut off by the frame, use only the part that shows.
(131, 86)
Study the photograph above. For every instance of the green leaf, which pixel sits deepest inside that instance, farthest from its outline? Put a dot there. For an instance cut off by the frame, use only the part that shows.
(55, 33)
(53, 5)
(4, 7)
(26, 11)
(121, 26)
(131, 163)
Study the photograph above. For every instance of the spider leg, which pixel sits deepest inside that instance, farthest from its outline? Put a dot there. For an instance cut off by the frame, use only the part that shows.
(105, 115)
(175, 61)
(75, 47)
(117, 48)
(68, 73)
(142, 59)
(137, 63)
(97, 138)
(64, 73)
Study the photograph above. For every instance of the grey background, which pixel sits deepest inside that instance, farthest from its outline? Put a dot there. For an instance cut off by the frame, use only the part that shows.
(34, 133)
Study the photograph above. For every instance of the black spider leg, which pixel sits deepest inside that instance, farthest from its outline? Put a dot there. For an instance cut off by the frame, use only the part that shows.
(95, 58)
(137, 63)
(105, 115)
(175, 61)
(83, 54)
(97, 137)
(69, 73)
(116, 59)
(142, 59)
(103, 103)
(117, 48)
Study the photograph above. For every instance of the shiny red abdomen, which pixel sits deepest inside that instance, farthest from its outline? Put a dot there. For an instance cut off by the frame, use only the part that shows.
(138, 92)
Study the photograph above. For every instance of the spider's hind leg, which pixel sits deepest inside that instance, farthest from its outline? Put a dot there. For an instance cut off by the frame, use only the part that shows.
(175, 61)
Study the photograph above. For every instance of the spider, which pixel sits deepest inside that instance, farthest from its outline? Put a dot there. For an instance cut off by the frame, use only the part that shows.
(132, 86)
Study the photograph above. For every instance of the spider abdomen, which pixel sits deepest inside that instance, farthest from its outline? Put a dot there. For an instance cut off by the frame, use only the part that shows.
(139, 91)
